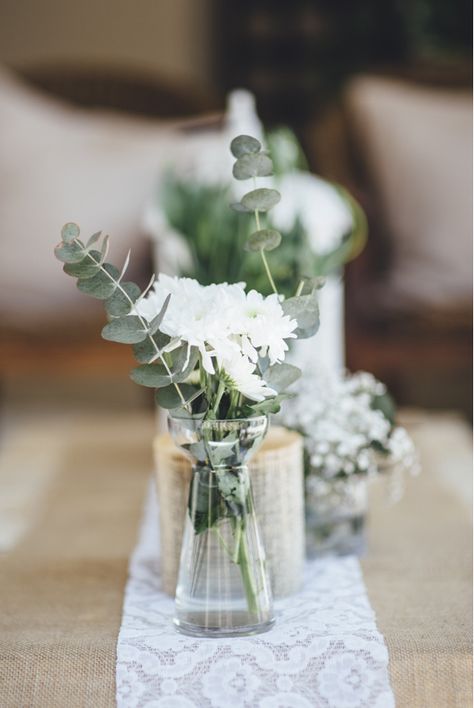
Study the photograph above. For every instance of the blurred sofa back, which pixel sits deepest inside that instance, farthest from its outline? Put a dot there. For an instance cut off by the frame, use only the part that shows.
(416, 144)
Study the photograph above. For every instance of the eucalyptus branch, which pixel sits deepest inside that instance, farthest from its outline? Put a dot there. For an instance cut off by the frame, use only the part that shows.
(257, 219)
(144, 323)
(267, 269)
(252, 162)
(262, 250)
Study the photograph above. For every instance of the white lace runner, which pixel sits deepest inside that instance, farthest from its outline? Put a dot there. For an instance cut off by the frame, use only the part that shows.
(325, 650)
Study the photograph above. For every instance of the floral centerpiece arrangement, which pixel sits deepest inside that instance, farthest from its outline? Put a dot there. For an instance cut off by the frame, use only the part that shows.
(216, 356)
(350, 434)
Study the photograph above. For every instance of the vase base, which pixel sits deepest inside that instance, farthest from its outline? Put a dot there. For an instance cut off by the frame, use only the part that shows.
(195, 630)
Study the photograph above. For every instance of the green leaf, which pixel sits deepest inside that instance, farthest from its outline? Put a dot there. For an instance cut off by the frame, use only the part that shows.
(244, 145)
(204, 500)
(101, 285)
(104, 248)
(261, 199)
(386, 405)
(270, 405)
(252, 166)
(156, 321)
(156, 376)
(265, 239)
(234, 487)
(70, 232)
(85, 268)
(118, 304)
(93, 239)
(304, 309)
(180, 356)
(280, 376)
(145, 351)
(168, 397)
(70, 252)
(126, 330)
(311, 284)
(151, 375)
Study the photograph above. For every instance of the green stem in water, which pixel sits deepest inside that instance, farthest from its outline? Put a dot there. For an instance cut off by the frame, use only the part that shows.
(221, 540)
(238, 536)
(246, 573)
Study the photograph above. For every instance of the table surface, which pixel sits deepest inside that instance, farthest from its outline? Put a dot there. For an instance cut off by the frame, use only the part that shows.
(71, 498)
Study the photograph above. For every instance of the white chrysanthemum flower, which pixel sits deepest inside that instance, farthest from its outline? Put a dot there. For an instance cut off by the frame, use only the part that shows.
(239, 374)
(196, 315)
(220, 320)
(263, 326)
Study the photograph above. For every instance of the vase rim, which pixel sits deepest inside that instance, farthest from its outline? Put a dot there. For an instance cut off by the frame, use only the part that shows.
(221, 420)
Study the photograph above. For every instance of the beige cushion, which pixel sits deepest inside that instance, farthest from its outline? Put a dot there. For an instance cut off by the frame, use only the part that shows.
(418, 146)
(58, 164)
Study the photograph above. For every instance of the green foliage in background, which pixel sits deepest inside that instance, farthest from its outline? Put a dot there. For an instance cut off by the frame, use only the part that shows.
(216, 235)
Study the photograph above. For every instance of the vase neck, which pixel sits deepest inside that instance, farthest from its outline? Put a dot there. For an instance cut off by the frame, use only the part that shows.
(238, 468)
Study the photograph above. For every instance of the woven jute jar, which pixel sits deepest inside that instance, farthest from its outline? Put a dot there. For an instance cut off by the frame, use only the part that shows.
(277, 480)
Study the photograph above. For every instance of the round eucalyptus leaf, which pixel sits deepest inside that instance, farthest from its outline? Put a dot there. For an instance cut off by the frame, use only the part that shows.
(69, 252)
(146, 350)
(168, 397)
(126, 330)
(70, 232)
(261, 199)
(252, 165)
(101, 286)
(151, 375)
(304, 309)
(265, 239)
(86, 268)
(244, 145)
(280, 376)
(119, 304)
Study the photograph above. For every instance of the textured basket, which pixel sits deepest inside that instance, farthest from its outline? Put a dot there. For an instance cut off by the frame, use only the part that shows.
(277, 480)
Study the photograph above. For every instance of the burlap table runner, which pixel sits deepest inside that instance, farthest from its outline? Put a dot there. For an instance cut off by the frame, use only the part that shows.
(61, 588)
(418, 571)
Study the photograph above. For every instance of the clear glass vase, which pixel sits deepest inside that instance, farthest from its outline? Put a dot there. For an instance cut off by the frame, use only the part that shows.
(336, 511)
(223, 587)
